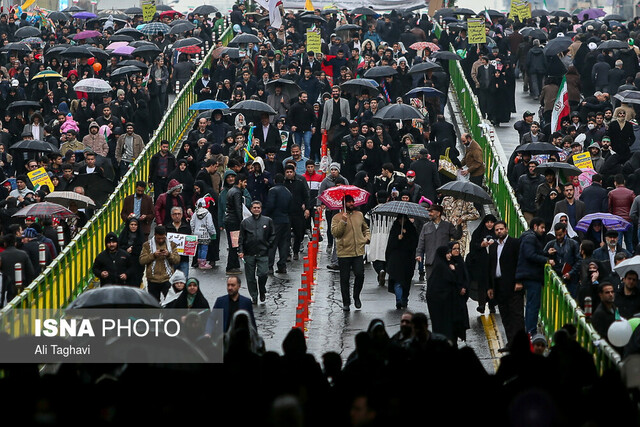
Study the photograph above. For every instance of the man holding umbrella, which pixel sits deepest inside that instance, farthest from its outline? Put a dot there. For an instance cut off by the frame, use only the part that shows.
(352, 234)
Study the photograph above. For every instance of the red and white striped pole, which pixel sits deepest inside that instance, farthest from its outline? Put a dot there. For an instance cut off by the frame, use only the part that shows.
(42, 256)
(60, 237)
(18, 269)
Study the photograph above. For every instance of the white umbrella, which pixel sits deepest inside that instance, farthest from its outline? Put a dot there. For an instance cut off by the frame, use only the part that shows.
(92, 85)
(630, 264)
(65, 198)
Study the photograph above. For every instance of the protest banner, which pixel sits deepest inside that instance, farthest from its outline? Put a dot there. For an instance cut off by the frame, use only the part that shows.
(185, 243)
(39, 178)
(314, 44)
(583, 161)
(476, 30)
(148, 10)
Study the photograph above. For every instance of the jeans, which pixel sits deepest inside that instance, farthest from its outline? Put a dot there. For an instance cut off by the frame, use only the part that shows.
(184, 267)
(281, 244)
(202, 251)
(532, 308)
(401, 296)
(261, 264)
(628, 239)
(303, 136)
(347, 264)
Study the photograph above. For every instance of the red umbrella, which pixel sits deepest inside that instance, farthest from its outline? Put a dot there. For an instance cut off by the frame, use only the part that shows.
(170, 13)
(190, 49)
(333, 197)
(45, 210)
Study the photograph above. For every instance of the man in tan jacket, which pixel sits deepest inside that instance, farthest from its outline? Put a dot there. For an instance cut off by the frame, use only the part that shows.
(352, 233)
(96, 141)
(472, 160)
(160, 260)
(128, 148)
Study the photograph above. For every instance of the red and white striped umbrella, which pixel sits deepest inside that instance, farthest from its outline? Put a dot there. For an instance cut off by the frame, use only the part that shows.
(44, 210)
(333, 197)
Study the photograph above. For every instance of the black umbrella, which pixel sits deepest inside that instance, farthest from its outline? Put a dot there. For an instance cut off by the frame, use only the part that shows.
(614, 17)
(182, 27)
(538, 148)
(96, 187)
(446, 55)
(423, 67)
(244, 39)
(560, 13)
(73, 9)
(398, 112)
(121, 38)
(252, 106)
(560, 166)
(98, 53)
(628, 96)
(613, 44)
(329, 11)
(77, 52)
(537, 34)
(24, 105)
(288, 87)
(133, 62)
(133, 11)
(465, 190)
(204, 9)
(162, 7)
(114, 297)
(363, 11)
(347, 27)
(129, 32)
(146, 50)
(557, 45)
(359, 86)
(397, 207)
(123, 71)
(537, 13)
(233, 52)
(189, 41)
(595, 22)
(381, 71)
(464, 11)
(28, 31)
(34, 145)
(445, 11)
(18, 47)
(139, 43)
(458, 26)
(312, 17)
(58, 16)
(492, 14)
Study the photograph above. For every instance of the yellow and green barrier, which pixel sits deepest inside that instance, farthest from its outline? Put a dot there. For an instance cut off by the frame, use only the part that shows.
(71, 272)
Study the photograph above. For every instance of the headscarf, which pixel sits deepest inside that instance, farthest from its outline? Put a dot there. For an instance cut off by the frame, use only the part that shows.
(556, 219)
(256, 343)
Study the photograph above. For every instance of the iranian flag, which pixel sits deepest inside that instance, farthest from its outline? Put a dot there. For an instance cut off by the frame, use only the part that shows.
(560, 107)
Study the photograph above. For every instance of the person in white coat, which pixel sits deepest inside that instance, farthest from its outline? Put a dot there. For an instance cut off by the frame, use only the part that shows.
(203, 227)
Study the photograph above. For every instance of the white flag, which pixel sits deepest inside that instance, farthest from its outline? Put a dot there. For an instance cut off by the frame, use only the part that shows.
(274, 11)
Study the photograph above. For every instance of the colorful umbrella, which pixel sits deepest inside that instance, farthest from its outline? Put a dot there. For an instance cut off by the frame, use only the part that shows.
(190, 49)
(85, 15)
(333, 198)
(44, 210)
(124, 50)
(610, 221)
(153, 28)
(116, 45)
(586, 177)
(46, 75)
(87, 34)
(170, 13)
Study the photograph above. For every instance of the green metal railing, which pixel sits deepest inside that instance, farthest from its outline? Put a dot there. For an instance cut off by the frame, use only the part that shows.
(71, 272)
(557, 305)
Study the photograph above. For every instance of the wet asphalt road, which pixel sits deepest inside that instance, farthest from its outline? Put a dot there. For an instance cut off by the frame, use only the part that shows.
(331, 329)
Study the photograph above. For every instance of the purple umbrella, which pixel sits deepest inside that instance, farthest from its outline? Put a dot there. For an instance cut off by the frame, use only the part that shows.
(610, 221)
(124, 50)
(87, 34)
(84, 15)
(593, 13)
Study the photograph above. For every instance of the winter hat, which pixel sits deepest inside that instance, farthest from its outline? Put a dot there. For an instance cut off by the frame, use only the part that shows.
(335, 165)
(111, 237)
(174, 185)
(178, 276)
(30, 233)
(539, 338)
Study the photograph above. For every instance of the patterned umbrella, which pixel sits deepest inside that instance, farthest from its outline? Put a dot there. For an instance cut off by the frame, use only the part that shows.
(64, 198)
(87, 34)
(153, 28)
(333, 197)
(610, 221)
(44, 210)
(397, 207)
(46, 75)
(424, 45)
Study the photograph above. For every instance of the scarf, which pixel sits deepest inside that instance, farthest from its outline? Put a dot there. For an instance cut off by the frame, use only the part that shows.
(152, 248)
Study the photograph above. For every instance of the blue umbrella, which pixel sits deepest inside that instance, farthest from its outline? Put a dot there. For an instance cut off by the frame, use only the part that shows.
(208, 104)
(610, 221)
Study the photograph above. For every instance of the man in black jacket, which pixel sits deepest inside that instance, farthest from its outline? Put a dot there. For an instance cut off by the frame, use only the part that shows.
(301, 117)
(205, 87)
(9, 258)
(503, 258)
(232, 219)
(162, 164)
(200, 132)
(278, 206)
(299, 206)
(426, 175)
(113, 266)
(257, 235)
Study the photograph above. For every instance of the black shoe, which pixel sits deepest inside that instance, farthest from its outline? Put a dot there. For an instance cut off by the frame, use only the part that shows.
(345, 308)
(421, 278)
(289, 258)
(504, 349)
(234, 271)
(254, 301)
(399, 306)
(281, 271)
(381, 277)
(263, 297)
(271, 271)
(357, 302)
(333, 267)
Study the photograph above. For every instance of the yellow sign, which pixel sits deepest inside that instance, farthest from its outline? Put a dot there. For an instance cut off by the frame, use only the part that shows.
(583, 161)
(520, 9)
(314, 44)
(476, 31)
(148, 10)
(39, 178)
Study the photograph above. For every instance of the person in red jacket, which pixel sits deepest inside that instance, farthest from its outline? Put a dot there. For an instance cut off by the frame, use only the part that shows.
(620, 201)
(314, 179)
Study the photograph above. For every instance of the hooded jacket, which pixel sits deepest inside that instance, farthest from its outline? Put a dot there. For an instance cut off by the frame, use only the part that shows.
(536, 61)
(202, 225)
(97, 142)
(166, 201)
(258, 185)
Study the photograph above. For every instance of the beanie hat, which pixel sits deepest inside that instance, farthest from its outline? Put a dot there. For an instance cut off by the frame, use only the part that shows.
(335, 165)
(178, 276)
(111, 237)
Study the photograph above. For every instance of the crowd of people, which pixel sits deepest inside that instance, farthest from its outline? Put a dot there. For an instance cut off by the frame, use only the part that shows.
(256, 179)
